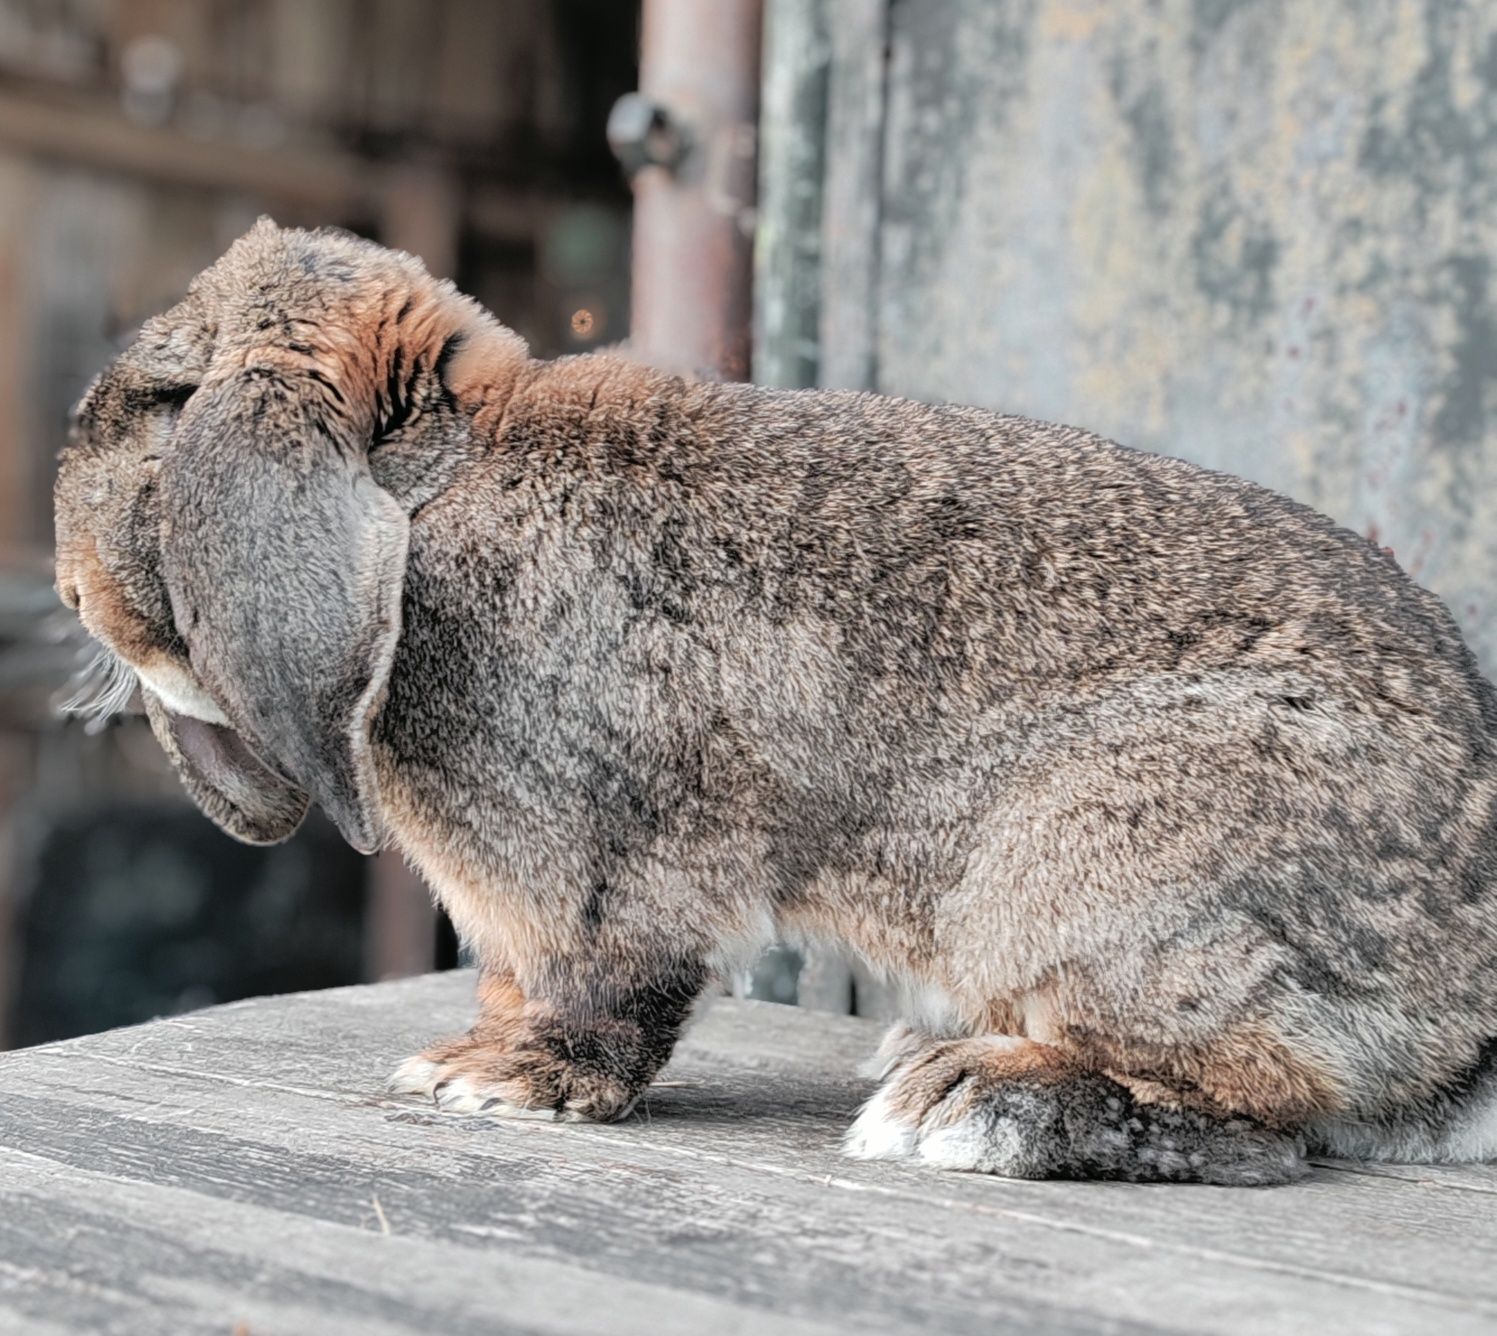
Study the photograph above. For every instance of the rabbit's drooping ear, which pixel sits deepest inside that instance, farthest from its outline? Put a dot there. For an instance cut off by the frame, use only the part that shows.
(224, 778)
(284, 562)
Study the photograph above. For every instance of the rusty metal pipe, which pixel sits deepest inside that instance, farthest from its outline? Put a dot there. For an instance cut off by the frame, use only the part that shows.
(688, 140)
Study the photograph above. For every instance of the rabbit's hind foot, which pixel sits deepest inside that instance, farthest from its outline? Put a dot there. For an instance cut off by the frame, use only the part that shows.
(1021, 1109)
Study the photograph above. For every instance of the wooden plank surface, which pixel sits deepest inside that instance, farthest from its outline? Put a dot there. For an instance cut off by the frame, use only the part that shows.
(239, 1169)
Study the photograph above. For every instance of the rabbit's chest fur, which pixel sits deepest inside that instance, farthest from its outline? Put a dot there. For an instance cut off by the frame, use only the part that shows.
(1040, 721)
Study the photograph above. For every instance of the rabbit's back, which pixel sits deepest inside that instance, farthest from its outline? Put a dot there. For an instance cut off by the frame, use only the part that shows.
(1229, 771)
(1123, 751)
(1065, 552)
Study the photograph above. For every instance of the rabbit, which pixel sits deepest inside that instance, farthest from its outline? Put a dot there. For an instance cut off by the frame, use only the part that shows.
(1173, 804)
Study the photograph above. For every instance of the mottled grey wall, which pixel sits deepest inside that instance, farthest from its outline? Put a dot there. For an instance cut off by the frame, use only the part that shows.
(1259, 234)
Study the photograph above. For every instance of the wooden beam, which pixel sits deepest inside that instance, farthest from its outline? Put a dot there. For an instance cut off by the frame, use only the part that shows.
(321, 184)
(99, 136)
(693, 219)
(18, 524)
(792, 168)
(420, 211)
(854, 197)
(15, 768)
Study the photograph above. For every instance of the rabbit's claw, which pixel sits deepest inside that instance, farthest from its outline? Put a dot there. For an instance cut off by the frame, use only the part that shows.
(521, 1084)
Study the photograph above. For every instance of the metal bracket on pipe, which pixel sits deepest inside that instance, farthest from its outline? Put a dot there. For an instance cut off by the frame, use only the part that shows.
(643, 133)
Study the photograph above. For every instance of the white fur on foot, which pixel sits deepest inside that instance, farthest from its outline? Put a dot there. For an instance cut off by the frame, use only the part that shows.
(980, 1141)
(460, 1094)
(1474, 1137)
(878, 1134)
(414, 1076)
(975, 1145)
(1469, 1137)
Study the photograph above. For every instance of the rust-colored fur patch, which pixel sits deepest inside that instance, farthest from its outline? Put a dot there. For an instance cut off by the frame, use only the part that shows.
(1245, 1070)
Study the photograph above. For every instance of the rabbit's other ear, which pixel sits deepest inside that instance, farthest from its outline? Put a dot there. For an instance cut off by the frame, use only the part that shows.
(284, 562)
(225, 779)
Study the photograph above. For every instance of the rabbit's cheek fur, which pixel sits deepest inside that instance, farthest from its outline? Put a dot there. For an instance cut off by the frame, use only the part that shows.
(109, 604)
(179, 692)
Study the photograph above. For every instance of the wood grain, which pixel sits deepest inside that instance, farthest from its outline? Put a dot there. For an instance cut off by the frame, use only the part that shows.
(241, 1166)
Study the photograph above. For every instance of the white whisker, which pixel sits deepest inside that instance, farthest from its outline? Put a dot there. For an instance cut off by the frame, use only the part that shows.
(101, 688)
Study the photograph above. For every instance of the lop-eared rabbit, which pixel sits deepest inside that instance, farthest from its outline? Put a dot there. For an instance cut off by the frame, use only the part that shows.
(1174, 804)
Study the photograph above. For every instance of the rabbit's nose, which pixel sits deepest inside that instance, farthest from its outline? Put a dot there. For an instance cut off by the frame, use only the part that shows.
(67, 591)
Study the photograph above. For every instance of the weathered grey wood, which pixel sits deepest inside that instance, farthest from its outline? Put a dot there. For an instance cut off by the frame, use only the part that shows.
(787, 243)
(241, 1165)
(853, 199)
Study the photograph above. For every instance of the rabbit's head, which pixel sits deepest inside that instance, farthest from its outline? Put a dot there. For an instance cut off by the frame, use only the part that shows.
(219, 527)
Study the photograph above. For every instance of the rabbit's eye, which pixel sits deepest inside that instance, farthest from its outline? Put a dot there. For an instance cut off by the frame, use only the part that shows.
(174, 396)
(160, 396)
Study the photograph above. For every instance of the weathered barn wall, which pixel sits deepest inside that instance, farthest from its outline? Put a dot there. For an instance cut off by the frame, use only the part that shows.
(1254, 233)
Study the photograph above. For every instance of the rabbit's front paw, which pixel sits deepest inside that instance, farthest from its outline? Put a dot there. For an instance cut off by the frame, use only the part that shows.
(518, 1083)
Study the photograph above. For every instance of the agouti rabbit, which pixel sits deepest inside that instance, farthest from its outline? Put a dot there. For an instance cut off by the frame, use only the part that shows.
(1174, 803)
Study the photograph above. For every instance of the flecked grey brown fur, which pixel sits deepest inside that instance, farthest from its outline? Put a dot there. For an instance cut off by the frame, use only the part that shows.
(1182, 794)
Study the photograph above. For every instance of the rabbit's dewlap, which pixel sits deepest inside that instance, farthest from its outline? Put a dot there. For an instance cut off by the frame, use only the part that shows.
(1174, 803)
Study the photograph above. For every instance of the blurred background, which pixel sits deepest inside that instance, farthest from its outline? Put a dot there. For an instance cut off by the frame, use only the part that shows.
(1252, 233)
